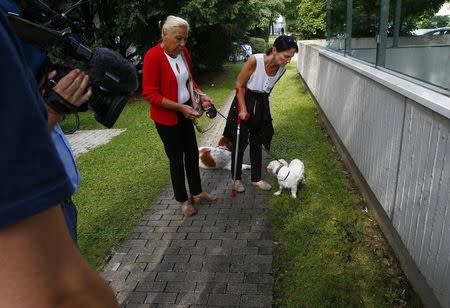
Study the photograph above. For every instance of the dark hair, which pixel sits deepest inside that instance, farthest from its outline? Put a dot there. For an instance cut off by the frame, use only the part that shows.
(282, 43)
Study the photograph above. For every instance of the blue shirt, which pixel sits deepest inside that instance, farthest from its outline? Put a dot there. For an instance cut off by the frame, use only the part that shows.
(34, 58)
(32, 176)
(65, 154)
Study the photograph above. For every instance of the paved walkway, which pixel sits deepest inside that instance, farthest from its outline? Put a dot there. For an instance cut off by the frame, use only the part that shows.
(222, 257)
(84, 140)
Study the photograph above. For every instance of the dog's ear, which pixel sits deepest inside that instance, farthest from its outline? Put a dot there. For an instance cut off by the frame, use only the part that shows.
(225, 142)
(284, 162)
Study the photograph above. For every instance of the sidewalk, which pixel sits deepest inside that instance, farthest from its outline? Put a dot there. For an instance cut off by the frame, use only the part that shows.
(222, 257)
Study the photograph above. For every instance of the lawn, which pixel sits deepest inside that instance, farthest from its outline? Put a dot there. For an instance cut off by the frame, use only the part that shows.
(121, 178)
(329, 252)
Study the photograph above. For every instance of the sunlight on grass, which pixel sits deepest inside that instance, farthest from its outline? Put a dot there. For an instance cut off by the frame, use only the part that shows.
(324, 256)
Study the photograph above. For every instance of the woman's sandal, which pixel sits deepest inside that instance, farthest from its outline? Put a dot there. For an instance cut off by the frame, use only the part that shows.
(203, 196)
(187, 209)
(263, 185)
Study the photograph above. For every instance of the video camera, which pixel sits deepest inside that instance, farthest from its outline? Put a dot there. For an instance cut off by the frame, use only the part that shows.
(112, 77)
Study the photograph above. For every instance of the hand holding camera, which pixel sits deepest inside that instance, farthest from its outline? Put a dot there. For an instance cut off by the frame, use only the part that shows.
(73, 87)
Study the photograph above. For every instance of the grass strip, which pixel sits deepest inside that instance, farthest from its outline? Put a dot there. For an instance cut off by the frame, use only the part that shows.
(330, 252)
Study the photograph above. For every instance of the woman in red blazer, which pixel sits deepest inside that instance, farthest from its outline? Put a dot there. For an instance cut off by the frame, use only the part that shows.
(166, 73)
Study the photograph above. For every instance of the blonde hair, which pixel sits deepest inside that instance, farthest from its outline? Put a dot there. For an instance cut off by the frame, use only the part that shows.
(173, 22)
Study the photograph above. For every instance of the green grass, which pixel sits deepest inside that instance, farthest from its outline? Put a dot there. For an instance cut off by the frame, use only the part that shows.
(330, 252)
(121, 178)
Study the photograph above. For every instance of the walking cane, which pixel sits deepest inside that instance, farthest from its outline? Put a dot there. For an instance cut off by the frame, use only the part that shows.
(236, 149)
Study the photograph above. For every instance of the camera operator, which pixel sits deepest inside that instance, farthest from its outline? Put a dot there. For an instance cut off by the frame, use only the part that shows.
(73, 88)
(40, 265)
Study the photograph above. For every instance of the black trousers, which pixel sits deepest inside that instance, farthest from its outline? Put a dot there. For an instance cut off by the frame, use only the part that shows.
(248, 133)
(181, 148)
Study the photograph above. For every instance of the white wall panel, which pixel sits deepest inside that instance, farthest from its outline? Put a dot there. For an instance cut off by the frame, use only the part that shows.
(400, 146)
(421, 214)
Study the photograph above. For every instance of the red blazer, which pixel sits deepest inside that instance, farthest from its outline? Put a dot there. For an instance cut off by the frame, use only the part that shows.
(158, 81)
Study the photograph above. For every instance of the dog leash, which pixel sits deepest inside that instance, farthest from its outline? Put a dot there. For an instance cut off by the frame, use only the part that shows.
(262, 146)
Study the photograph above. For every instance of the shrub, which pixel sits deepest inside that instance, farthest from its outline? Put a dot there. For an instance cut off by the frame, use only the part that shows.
(259, 45)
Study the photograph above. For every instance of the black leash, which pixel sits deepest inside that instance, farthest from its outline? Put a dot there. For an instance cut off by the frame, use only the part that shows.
(262, 146)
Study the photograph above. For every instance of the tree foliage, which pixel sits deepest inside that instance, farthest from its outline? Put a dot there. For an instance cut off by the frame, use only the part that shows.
(214, 23)
(308, 17)
(428, 21)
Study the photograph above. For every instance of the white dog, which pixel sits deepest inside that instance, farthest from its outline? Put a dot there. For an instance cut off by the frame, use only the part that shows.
(288, 175)
(217, 157)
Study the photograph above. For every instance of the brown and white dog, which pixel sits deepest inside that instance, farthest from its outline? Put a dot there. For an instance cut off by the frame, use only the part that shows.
(217, 157)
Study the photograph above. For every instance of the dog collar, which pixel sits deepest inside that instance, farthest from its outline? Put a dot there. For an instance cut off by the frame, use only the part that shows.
(278, 170)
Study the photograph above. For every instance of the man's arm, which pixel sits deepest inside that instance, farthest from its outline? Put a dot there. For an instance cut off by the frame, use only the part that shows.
(41, 267)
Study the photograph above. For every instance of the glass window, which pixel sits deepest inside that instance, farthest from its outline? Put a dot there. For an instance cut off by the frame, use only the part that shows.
(402, 36)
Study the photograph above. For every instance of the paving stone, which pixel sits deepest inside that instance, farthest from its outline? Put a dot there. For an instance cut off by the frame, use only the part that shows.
(176, 258)
(150, 235)
(242, 288)
(249, 236)
(199, 236)
(259, 259)
(245, 268)
(229, 277)
(224, 300)
(213, 229)
(161, 298)
(234, 243)
(183, 243)
(208, 243)
(114, 275)
(84, 140)
(141, 276)
(245, 251)
(170, 276)
(191, 298)
(151, 286)
(258, 278)
(189, 229)
(188, 267)
(180, 286)
(160, 267)
(224, 235)
(192, 251)
(256, 301)
(123, 285)
(138, 306)
(123, 257)
(131, 297)
(211, 287)
(200, 276)
(133, 267)
(218, 251)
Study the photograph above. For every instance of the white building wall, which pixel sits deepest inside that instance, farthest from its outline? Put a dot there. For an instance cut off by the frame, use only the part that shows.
(398, 135)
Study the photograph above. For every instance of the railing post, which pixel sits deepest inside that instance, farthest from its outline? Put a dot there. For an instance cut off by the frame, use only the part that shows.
(348, 28)
(397, 21)
(382, 33)
(328, 33)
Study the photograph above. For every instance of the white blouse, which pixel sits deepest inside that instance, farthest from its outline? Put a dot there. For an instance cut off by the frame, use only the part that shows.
(181, 73)
(259, 81)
